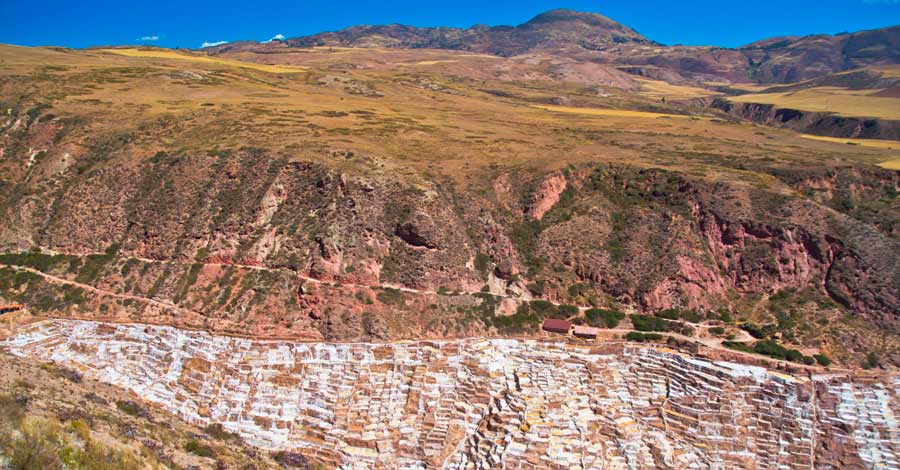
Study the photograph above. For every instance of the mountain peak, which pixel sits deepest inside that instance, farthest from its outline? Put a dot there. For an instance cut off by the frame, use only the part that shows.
(566, 15)
(554, 29)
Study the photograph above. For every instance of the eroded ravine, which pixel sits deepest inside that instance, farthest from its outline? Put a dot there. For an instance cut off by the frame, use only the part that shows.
(510, 403)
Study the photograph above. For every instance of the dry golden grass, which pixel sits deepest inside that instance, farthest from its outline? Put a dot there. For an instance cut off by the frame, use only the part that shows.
(169, 54)
(609, 112)
(830, 100)
(659, 89)
(434, 62)
(749, 87)
(407, 128)
(891, 164)
(874, 143)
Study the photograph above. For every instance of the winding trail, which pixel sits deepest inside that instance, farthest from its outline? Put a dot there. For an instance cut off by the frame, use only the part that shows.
(709, 342)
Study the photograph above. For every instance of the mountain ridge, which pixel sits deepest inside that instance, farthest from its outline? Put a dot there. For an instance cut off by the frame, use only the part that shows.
(592, 37)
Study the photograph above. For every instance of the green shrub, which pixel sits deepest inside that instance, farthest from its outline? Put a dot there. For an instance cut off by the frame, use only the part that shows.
(822, 359)
(200, 449)
(669, 313)
(93, 266)
(543, 308)
(216, 431)
(871, 361)
(738, 346)
(604, 318)
(642, 337)
(31, 259)
(524, 236)
(654, 323)
(754, 330)
(390, 296)
(566, 311)
(292, 460)
(523, 320)
(717, 330)
(537, 288)
(770, 348)
(12, 409)
(577, 290)
(648, 323)
(482, 263)
(37, 446)
(794, 355)
(774, 350)
(44, 444)
(130, 408)
(692, 316)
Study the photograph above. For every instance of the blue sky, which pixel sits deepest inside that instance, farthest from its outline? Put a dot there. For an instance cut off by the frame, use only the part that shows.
(191, 23)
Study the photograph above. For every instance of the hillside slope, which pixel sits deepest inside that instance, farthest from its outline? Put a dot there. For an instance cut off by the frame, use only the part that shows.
(345, 203)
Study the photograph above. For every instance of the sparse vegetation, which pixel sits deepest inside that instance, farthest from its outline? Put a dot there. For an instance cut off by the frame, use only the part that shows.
(772, 349)
(389, 296)
(130, 407)
(604, 318)
(50, 421)
(654, 323)
(218, 432)
(200, 449)
(872, 361)
(822, 359)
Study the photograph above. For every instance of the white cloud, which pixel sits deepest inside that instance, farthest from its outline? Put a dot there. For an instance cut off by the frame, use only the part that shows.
(211, 44)
(149, 38)
(277, 37)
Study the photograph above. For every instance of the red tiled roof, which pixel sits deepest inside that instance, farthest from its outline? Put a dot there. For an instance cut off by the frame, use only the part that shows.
(559, 326)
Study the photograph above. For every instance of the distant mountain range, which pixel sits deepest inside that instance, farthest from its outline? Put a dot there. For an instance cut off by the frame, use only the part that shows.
(596, 38)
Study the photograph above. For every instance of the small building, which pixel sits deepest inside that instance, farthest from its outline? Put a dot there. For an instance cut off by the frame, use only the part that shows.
(556, 326)
(586, 332)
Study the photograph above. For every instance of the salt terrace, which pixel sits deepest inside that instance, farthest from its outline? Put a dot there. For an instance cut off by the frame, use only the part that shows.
(488, 403)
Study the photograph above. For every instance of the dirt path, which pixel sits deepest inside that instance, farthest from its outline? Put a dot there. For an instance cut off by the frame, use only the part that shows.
(709, 342)
(101, 292)
(313, 280)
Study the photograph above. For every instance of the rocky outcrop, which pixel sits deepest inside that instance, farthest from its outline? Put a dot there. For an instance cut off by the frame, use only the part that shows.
(420, 230)
(546, 195)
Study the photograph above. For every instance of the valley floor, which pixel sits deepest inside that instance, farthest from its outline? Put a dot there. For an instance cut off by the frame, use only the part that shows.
(510, 403)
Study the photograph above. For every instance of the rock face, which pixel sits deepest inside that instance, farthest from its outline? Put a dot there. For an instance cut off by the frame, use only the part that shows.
(249, 248)
(825, 124)
(510, 403)
(546, 196)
